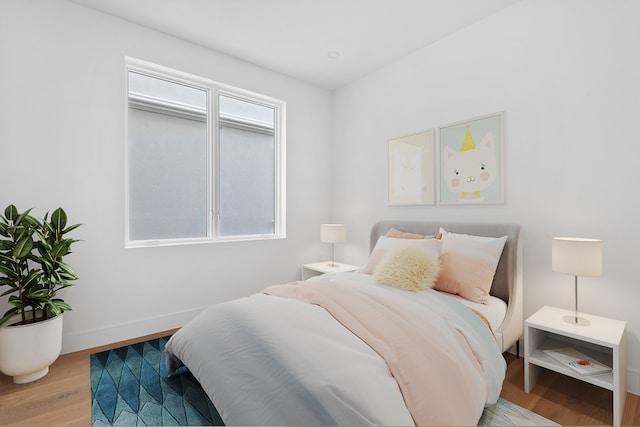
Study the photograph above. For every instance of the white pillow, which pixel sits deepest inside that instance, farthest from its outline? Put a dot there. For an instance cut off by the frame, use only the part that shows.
(384, 244)
(408, 267)
(468, 264)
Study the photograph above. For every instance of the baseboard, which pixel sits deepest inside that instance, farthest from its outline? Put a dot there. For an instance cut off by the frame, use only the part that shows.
(633, 381)
(114, 333)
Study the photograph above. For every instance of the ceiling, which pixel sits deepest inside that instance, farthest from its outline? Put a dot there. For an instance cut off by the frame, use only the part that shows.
(329, 43)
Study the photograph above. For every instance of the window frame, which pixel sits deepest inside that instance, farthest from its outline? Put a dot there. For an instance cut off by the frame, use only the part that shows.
(214, 90)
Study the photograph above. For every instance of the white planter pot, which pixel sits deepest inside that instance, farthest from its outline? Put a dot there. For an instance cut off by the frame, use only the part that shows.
(26, 351)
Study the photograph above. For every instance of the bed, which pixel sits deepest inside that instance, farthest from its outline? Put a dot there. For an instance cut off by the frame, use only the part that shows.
(346, 349)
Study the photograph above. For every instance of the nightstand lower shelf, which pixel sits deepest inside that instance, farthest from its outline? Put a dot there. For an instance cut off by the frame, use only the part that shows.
(541, 359)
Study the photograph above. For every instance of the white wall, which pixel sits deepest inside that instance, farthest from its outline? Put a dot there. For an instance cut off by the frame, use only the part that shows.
(566, 75)
(62, 144)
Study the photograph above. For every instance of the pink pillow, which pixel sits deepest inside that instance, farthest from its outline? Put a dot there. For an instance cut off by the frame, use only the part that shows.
(397, 234)
(468, 264)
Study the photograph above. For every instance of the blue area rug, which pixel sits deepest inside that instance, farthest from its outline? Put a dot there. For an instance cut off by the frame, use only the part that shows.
(505, 413)
(129, 387)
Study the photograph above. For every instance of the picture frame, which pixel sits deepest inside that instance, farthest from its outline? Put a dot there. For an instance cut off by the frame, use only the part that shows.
(411, 173)
(471, 161)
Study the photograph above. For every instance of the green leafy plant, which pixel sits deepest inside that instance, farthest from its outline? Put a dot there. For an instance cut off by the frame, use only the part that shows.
(31, 263)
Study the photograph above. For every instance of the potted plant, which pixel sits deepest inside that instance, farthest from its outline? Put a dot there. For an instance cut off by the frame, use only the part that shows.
(33, 270)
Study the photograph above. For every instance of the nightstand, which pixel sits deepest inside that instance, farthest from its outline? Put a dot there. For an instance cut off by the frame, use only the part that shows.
(604, 341)
(315, 269)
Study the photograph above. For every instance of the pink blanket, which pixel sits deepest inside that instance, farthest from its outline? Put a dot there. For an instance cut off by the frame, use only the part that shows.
(440, 378)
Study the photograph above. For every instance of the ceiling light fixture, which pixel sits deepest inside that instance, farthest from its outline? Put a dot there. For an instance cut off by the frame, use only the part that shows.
(333, 54)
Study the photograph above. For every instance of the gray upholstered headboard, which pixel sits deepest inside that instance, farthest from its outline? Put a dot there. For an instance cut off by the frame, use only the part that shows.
(507, 282)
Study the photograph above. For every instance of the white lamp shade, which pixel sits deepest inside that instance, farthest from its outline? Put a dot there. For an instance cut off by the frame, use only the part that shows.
(576, 256)
(333, 233)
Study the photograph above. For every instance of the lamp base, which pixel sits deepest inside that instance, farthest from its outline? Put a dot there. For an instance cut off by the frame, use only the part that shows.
(575, 320)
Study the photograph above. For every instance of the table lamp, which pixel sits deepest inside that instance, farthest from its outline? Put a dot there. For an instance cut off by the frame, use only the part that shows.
(333, 233)
(578, 257)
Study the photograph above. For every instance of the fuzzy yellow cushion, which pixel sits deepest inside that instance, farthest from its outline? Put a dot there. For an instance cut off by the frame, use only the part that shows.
(411, 268)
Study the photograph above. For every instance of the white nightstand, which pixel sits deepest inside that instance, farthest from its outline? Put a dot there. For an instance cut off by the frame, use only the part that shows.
(315, 269)
(604, 341)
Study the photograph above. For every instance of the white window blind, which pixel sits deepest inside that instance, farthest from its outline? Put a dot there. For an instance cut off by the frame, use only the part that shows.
(190, 183)
(247, 168)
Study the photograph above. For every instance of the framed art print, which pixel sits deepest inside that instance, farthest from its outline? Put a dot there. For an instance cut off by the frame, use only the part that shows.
(411, 169)
(471, 161)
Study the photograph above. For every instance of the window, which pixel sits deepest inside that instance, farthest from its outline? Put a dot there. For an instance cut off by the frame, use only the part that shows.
(204, 161)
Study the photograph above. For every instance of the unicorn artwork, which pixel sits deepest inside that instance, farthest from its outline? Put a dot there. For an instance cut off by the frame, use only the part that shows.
(472, 169)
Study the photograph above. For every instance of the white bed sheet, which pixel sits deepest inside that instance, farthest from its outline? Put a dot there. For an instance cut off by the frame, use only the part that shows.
(494, 311)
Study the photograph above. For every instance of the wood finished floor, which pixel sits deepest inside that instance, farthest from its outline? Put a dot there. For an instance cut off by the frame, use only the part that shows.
(63, 397)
